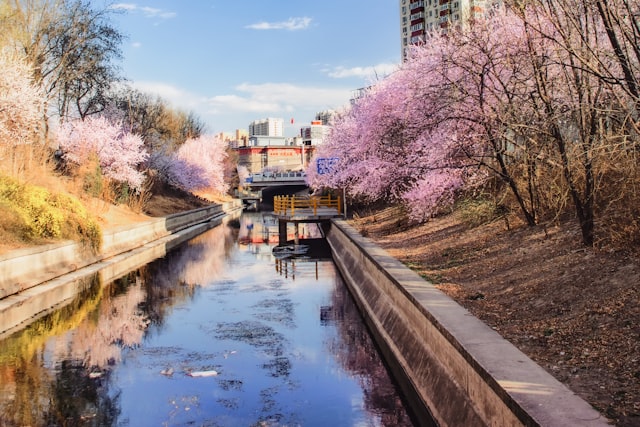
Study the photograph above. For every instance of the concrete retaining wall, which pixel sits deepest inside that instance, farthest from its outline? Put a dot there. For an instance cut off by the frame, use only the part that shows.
(448, 362)
(124, 254)
(25, 268)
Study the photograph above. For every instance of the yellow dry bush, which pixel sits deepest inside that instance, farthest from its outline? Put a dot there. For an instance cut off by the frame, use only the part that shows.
(478, 211)
(38, 214)
(79, 222)
(618, 199)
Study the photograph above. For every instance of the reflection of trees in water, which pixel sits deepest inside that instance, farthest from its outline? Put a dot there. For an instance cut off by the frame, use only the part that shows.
(26, 342)
(357, 353)
(24, 377)
(175, 277)
(118, 323)
(91, 332)
(77, 399)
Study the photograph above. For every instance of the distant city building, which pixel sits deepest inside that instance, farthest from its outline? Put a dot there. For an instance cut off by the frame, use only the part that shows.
(267, 150)
(239, 139)
(267, 127)
(242, 137)
(315, 133)
(275, 158)
(419, 17)
(326, 117)
(223, 136)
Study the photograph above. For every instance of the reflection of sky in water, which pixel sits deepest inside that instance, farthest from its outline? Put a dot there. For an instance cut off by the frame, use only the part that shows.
(224, 310)
(262, 334)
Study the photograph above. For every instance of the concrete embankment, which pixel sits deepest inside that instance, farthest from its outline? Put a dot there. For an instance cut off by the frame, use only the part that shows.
(33, 281)
(449, 364)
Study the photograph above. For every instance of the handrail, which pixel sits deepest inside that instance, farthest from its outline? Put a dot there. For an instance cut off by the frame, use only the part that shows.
(287, 205)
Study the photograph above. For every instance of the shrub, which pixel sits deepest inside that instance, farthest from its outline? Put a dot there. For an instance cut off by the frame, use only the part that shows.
(39, 214)
(478, 211)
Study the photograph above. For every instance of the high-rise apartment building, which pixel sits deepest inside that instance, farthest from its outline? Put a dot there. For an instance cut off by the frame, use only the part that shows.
(419, 17)
(266, 127)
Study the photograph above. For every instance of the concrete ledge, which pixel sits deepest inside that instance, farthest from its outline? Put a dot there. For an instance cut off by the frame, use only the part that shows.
(449, 364)
(25, 268)
(21, 308)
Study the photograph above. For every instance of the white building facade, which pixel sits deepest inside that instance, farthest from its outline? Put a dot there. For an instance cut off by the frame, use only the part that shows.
(267, 127)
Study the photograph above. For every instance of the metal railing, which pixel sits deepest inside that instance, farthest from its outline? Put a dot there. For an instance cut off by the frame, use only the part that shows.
(288, 205)
(276, 176)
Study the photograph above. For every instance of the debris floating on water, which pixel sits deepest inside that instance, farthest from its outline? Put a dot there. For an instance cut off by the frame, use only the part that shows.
(203, 373)
(229, 353)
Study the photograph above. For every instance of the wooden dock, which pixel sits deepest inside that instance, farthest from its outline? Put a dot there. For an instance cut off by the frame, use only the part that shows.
(297, 209)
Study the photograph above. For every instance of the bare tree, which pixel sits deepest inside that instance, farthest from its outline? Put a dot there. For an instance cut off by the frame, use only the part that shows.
(162, 127)
(585, 96)
(72, 47)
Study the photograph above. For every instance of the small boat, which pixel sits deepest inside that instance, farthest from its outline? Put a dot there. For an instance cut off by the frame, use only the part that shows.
(300, 249)
(282, 254)
(287, 251)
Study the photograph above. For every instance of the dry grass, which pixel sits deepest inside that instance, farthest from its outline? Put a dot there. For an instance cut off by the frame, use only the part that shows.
(574, 310)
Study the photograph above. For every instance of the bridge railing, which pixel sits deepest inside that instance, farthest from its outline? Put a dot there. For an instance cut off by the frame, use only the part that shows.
(288, 205)
(276, 176)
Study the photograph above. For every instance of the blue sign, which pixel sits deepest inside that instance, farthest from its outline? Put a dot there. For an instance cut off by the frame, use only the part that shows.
(327, 165)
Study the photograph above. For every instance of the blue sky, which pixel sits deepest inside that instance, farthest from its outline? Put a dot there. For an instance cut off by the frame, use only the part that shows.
(232, 62)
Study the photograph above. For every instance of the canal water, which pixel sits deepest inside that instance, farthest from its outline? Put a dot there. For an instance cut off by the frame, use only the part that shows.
(216, 333)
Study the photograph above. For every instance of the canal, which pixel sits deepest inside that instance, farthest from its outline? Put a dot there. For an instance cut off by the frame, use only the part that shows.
(216, 333)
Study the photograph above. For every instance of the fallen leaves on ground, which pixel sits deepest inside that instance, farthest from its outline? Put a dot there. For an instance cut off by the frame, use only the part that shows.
(574, 310)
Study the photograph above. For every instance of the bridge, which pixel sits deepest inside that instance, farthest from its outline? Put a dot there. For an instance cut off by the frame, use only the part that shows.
(298, 209)
(255, 183)
(270, 179)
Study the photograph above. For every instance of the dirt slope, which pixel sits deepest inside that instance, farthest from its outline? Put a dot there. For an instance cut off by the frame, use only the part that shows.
(574, 310)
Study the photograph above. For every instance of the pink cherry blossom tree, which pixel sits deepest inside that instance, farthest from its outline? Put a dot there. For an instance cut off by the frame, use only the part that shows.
(199, 165)
(396, 142)
(450, 119)
(21, 110)
(119, 153)
(538, 101)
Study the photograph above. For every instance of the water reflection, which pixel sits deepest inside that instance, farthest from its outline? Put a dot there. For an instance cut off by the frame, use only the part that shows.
(195, 263)
(212, 334)
(357, 354)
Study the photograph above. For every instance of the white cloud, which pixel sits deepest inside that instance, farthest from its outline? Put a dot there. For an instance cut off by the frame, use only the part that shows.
(136, 45)
(124, 6)
(292, 24)
(175, 96)
(280, 97)
(149, 12)
(224, 103)
(251, 102)
(371, 72)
